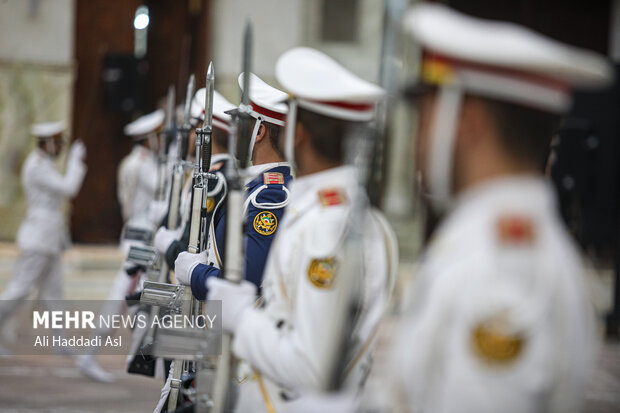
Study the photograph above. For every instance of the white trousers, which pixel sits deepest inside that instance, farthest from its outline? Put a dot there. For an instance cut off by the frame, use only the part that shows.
(33, 270)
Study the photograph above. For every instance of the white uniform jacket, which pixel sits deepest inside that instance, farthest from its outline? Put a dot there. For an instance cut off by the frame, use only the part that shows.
(282, 339)
(500, 319)
(43, 230)
(137, 181)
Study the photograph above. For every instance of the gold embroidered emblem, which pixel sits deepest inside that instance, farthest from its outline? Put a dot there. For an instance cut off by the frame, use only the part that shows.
(265, 223)
(210, 204)
(321, 273)
(496, 346)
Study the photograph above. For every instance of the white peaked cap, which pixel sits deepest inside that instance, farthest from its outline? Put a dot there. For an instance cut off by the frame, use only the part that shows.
(145, 124)
(221, 105)
(503, 60)
(268, 103)
(320, 84)
(46, 129)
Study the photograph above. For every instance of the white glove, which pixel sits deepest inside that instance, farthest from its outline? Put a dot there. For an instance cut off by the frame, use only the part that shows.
(163, 238)
(157, 211)
(77, 152)
(185, 264)
(236, 299)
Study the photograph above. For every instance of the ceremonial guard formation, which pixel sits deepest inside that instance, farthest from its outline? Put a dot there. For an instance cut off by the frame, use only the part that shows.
(263, 207)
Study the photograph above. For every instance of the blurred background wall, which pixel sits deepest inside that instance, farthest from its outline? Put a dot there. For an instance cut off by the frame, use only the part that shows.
(37, 73)
(84, 61)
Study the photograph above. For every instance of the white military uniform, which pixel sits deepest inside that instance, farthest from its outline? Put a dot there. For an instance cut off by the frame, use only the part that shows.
(500, 319)
(137, 181)
(43, 236)
(282, 341)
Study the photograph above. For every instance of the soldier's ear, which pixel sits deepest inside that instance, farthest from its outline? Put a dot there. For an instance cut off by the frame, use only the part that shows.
(262, 131)
(301, 134)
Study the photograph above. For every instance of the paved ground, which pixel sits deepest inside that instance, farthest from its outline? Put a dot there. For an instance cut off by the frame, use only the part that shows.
(52, 384)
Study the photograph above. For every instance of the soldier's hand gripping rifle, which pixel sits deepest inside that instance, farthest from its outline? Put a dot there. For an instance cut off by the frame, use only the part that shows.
(198, 226)
(234, 262)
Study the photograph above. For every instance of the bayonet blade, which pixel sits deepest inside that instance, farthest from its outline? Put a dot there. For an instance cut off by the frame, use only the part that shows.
(210, 86)
(189, 94)
(243, 143)
(247, 62)
(169, 109)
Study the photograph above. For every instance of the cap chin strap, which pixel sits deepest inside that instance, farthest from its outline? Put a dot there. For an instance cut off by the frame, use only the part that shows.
(259, 120)
(291, 122)
(448, 108)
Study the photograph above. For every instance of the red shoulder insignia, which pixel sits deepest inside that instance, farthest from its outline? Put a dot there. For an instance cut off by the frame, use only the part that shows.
(217, 166)
(273, 178)
(332, 196)
(515, 229)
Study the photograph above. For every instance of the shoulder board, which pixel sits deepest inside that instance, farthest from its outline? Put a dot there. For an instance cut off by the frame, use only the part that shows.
(332, 196)
(273, 178)
(515, 230)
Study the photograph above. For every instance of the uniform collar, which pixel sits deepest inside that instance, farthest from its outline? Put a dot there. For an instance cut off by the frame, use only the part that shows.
(513, 193)
(142, 150)
(255, 171)
(43, 154)
(305, 188)
(219, 157)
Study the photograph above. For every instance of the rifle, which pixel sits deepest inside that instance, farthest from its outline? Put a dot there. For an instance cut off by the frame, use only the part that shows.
(144, 362)
(367, 154)
(234, 262)
(165, 137)
(198, 225)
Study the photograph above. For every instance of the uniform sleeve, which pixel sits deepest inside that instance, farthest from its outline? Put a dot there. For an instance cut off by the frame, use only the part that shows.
(300, 346)
(204, 271)
(67, 185)
(261, 225)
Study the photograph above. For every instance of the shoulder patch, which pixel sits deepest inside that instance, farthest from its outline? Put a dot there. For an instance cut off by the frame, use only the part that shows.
(265, 222)
(322, 272)
(273, 178)
(496, 346)
(210, 204)
(332, 197)
(515, 230)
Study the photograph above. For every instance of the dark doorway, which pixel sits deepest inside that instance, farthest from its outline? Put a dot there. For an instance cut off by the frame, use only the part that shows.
(177, 46)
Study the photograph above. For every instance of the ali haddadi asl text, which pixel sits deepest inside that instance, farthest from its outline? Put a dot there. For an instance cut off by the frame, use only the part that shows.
(77, 341)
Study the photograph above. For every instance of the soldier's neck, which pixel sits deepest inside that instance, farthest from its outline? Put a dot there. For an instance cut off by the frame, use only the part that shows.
(262, 156)
(490, 168)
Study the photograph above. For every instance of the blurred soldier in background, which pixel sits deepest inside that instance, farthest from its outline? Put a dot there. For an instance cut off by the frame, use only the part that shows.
(283, 340)
(43, 236)
(172, 242)
(137, 173)
(500, 318)
(137, 187)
